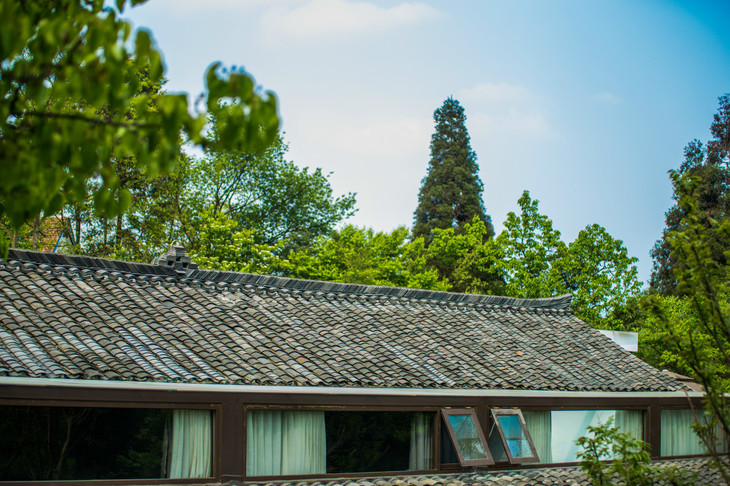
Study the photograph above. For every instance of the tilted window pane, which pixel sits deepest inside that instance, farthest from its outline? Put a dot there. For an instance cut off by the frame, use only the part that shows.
(509, 439)
(467, 437)
(517, 442)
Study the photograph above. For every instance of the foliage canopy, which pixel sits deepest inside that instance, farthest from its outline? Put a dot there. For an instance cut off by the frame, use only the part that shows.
(71, 104)
(631, 464)
(533, 261)
(699, 338)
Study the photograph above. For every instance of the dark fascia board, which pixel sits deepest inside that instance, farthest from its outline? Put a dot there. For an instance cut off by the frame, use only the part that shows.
(31, 391)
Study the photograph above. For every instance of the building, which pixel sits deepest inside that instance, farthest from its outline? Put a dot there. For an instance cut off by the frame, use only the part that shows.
(205, 376)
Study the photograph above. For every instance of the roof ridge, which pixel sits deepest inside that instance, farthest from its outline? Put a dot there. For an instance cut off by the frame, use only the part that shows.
(226, 278)
(561, 302)
(69, 260)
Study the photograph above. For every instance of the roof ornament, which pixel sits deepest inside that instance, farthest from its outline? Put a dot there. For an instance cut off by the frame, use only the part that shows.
(176, 258)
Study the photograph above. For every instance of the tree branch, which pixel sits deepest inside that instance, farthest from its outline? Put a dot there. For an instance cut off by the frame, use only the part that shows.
(92, 120)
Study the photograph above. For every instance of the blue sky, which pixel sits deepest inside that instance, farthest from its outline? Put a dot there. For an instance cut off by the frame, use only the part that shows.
(586, 104)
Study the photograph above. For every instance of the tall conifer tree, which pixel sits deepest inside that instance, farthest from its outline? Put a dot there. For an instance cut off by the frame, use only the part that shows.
(451, 192)
(709, 167)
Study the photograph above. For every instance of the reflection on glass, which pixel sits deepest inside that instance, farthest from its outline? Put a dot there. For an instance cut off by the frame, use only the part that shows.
(467, 437)
(517, 442)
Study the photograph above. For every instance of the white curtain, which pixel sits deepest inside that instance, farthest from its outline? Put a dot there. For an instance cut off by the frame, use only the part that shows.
(421, 452)
(539, 425)
(285, 443)
(631, 422)
(191, 444)
(678, 438)
(263, 443)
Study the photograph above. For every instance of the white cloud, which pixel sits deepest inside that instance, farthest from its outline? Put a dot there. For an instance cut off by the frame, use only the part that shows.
(382, 161)
(323, 18)
(607, 97)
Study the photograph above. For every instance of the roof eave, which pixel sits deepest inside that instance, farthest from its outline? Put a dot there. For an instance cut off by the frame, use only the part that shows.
(326, 390)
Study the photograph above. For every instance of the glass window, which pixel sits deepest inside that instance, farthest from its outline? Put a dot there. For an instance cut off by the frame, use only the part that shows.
(78, 443)
(281, 443)
(678, 438)
(467, 436)
(509, 438)
(448, 452)
(554, 432)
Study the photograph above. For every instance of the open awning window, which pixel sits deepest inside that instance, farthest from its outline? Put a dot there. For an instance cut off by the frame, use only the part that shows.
(509, 438)
(467, 436)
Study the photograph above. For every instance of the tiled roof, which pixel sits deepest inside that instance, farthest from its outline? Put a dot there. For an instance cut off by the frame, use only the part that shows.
(699, 470)
(87, 318)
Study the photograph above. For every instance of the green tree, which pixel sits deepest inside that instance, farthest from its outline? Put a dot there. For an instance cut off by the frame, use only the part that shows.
(529, 246)
(534, 262)
(709, 166)
(598, 271)
(143, 231)
(363, 256)
(451, 193)
(68, 78)
(262, 192)
(631, 464)
(148, 226)
(656, 341)
(226, 246)
(261, 197)
(466, 261)
(701, 342)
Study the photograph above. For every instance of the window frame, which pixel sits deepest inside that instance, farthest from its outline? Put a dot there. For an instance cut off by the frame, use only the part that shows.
(496, 413)
(489, 460)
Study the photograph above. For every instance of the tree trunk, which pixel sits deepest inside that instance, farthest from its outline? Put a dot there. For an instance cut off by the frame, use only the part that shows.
(36, 229)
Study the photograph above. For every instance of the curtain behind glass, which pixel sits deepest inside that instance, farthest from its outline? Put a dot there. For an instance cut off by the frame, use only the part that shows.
(631, 422)
(421, 452)
(263, 443)
(539, 425)
(678, 438)
(304, 443)
(191, 444)
(285, 443)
